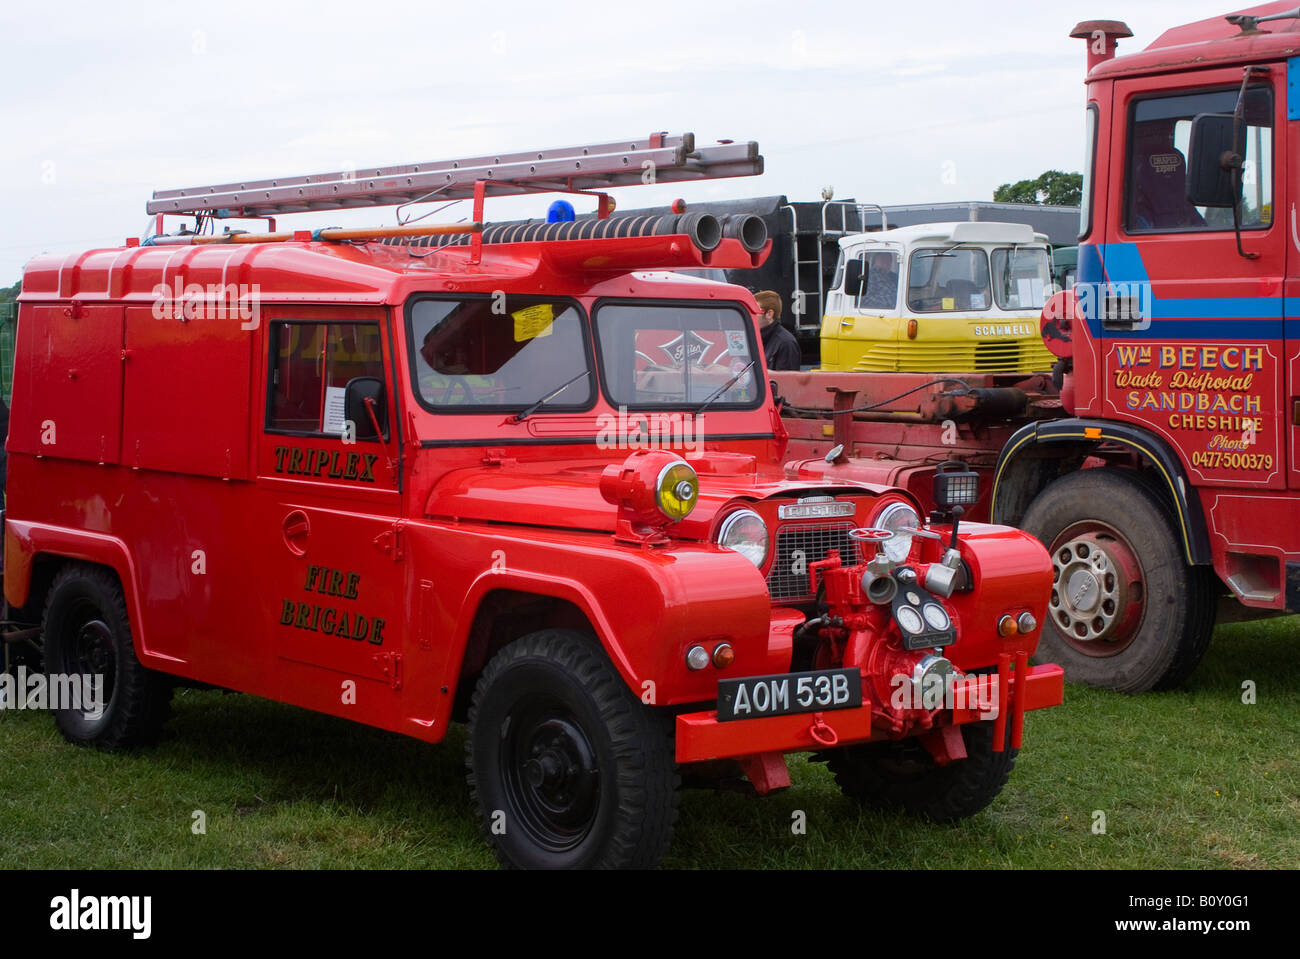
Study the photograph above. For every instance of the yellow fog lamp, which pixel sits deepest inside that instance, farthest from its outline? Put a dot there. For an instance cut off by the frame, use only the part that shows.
(677, 490)
(651, 488)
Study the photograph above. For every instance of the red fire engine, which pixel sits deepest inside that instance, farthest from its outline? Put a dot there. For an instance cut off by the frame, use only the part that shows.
(502, 474)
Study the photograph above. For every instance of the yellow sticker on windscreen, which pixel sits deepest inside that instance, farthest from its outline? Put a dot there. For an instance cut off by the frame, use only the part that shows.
(949, 303)
(533, 321)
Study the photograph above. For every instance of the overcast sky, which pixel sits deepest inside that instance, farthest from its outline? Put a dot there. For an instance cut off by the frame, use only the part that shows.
(892, 102)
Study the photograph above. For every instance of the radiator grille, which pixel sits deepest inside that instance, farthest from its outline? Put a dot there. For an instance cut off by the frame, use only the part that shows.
(799, 546)
(949, 356)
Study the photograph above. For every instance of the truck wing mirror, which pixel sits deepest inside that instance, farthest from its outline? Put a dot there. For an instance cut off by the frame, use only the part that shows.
(855, 277)
(366, 406)
(1213, 163)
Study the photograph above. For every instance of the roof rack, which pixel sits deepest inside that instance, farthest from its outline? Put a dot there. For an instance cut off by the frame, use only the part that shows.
(659, 158)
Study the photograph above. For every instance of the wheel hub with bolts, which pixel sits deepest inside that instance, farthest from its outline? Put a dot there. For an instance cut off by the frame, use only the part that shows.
(1097, 591)
(556, 784)
(91, 653)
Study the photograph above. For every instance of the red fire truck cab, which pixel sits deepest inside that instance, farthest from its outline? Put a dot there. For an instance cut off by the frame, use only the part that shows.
(518, 476)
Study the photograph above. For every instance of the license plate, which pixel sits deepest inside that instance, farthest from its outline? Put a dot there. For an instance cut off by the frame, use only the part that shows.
(782, 695)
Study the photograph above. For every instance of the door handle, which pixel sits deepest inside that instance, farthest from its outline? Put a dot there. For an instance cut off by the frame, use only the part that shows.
(296, 528)
(1121, 313)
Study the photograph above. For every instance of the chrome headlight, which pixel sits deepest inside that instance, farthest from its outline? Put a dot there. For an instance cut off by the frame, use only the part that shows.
(894, 518)
(745, 532)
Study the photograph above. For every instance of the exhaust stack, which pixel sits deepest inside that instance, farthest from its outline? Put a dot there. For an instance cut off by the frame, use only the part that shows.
(1103, 37)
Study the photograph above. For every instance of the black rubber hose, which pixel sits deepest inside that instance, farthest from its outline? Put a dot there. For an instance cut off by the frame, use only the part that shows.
(704, 230)
(750, 230)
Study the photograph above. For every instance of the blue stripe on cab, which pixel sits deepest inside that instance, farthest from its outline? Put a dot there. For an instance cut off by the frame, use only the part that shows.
(1293, 89)
(1187, 318)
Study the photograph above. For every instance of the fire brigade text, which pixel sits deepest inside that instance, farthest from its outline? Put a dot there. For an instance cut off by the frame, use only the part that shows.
(328, 619)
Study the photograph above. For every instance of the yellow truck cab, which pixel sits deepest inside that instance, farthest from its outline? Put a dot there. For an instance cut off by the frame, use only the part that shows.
(939, 297)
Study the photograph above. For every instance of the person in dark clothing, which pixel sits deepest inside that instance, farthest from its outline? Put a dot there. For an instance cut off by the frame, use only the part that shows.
(780, 348)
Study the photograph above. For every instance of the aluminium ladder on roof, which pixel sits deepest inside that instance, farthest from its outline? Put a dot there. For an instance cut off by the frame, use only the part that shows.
(659, 158)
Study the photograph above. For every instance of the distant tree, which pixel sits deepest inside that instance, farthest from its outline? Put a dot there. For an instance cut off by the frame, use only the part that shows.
(1052, 188)
(10, 293)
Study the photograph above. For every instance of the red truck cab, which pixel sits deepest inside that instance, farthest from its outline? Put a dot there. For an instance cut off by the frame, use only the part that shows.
(1181, 355)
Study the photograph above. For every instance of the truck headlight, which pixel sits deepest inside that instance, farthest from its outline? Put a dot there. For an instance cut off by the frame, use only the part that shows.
(745, 532)
(895, 517)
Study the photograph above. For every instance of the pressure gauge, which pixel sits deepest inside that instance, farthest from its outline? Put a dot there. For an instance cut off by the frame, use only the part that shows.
(936, 616)
(909, 619)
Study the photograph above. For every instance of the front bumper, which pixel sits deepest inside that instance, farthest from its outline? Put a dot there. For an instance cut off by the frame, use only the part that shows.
(700, 737)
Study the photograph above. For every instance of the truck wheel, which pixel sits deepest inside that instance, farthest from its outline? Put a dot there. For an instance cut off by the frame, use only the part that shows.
(87, 634)
(902, 775)
(1126, 612)
(567, 768)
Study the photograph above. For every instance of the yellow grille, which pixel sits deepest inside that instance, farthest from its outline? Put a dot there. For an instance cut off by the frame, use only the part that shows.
(953, 356)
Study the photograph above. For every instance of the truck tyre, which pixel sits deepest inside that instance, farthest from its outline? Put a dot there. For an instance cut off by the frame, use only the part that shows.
(567, 768)
(902, 775)
(1126, 611)
(87, 634)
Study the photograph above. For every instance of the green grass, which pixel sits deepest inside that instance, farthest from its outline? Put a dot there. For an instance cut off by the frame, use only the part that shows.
(1187, 779)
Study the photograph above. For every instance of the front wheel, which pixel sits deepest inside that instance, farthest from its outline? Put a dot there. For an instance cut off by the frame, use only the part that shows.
(902, 775)
(1126, 612)
(567, 768)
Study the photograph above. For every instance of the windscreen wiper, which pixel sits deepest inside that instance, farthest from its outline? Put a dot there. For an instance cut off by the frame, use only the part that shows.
(529, 411)
(725, 386)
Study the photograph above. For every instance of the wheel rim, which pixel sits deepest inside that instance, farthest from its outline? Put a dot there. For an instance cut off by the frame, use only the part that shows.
(91, 650)
(550, 772)
(1097, 589)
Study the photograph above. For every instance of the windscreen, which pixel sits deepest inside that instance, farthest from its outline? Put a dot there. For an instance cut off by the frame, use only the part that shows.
(502, 352)
(678, 355)
(1021, 278)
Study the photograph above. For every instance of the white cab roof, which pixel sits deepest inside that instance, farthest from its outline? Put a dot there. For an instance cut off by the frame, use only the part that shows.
(975, 232)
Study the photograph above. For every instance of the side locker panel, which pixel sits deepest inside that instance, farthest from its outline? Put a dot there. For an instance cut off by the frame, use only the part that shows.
(68, 389)
(168, 424)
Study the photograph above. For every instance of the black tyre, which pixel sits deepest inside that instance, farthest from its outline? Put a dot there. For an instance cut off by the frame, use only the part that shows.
(1126, 611)
(87, 634)
(567, 768)
(902, 775)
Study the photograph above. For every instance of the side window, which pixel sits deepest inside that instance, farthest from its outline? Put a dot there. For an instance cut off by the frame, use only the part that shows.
(881, 292)
(311, 364)
(1156, 188)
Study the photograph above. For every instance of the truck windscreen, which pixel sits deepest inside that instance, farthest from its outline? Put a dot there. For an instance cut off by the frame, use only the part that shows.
(1021, 278)
(667, 354)
(506, 352)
